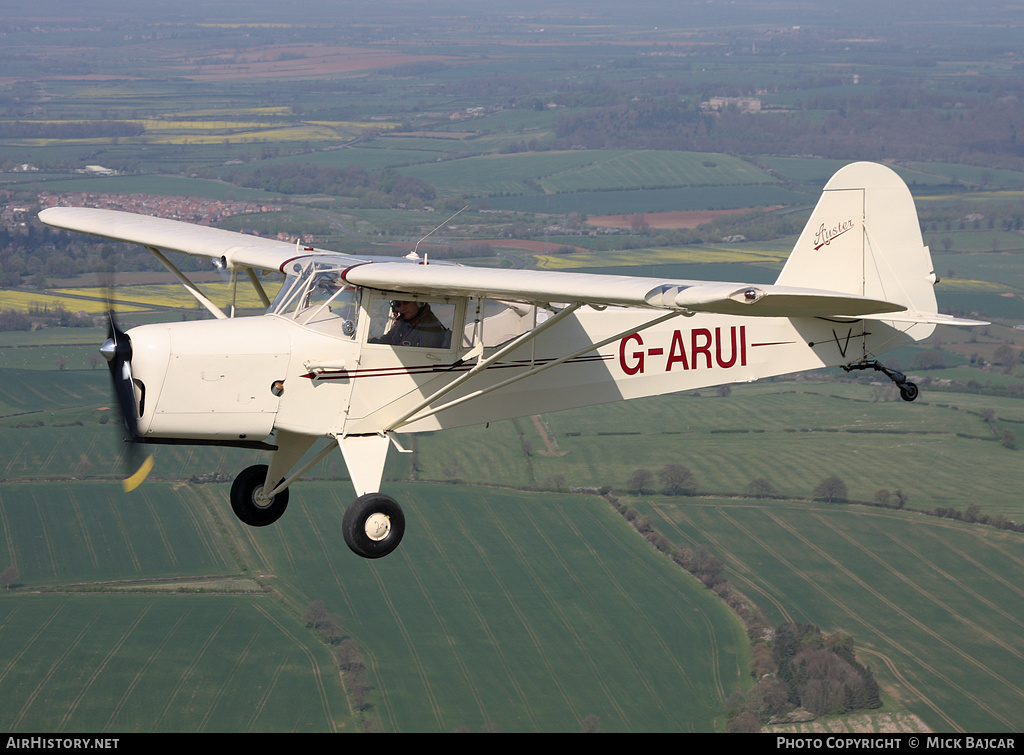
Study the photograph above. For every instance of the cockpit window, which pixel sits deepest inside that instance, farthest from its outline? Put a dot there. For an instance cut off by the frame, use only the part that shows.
(495, 323)
(412, 322)
(315, 295)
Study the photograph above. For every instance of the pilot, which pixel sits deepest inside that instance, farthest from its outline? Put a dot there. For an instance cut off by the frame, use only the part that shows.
(415, 325)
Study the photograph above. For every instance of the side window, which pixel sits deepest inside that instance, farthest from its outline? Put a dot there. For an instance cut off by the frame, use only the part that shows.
(495, 323)
(418, 323)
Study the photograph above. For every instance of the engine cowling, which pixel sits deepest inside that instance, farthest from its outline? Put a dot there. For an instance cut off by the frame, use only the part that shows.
(209, 379)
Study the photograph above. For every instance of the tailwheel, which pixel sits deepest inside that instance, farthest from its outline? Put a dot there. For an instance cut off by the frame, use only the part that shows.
(909, 391)
(248, 501)
(373, 525)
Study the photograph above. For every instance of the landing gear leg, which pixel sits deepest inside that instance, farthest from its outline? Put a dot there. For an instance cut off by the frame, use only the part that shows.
(374, 524)
(908, 390)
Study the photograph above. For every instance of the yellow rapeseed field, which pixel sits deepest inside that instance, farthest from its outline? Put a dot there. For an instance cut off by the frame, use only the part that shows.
(202, 129)
(137, 298)
(660, 256)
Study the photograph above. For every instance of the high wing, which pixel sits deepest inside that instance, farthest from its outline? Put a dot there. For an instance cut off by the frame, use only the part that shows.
(232, 249)
(236, 250)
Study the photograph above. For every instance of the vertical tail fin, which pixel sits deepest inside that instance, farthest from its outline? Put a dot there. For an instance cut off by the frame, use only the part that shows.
(864, 238)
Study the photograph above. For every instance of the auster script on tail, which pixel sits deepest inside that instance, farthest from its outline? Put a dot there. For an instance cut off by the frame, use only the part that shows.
(825, 236)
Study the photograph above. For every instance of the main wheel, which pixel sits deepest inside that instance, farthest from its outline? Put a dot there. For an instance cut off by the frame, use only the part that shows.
(248, 505)
(373, 525)
(908, 391)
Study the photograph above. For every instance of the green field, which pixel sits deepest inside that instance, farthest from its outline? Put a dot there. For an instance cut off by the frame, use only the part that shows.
(488, 618)
(938, 450)
(501, 597)
(108, 663)
(585, 170)
(935, 608)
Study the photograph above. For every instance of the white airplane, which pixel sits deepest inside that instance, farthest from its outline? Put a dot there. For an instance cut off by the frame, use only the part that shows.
(357, 350)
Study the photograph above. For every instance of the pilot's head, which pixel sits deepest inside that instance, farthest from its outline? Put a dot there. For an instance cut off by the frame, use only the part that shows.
(405, 310)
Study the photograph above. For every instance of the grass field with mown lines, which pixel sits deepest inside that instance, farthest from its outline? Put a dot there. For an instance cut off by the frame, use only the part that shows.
(936, 600)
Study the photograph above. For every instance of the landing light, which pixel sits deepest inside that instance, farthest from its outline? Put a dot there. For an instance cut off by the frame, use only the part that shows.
(748, 295)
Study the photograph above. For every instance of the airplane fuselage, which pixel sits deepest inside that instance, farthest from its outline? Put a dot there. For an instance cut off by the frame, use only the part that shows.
(242, 379)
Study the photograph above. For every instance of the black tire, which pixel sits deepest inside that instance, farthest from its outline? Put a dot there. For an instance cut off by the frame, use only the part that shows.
(909, 391)
(243, 498)
(373, 525)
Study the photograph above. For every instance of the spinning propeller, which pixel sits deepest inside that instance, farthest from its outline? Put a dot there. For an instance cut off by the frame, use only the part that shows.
(117, 350)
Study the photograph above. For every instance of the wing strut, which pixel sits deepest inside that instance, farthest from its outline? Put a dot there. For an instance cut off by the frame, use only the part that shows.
(482, 365)
(189, 286)
(414, 415)
(254, 279)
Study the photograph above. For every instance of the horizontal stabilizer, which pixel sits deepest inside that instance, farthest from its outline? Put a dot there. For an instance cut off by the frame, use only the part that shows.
(929, 318)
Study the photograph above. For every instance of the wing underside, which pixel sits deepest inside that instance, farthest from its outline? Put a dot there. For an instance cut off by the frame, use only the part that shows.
(539, 286)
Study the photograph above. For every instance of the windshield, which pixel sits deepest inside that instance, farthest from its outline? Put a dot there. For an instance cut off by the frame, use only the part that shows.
(315, 295)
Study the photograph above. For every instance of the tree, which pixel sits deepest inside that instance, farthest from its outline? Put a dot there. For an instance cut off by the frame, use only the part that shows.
(929, 360)
(330, 626)
(760, 488)
(12, 319)
(555, 482)
(886, 497)
(639, 224)
(358, 687)
(830, 489)
(1006, 356)
(347, 655)
(745, 723)
(9, 576)
(316, 613)
(640, 481)
(701, 563)
(677, 479)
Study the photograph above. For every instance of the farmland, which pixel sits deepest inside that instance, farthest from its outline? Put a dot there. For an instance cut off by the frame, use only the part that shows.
(566, 143)
(191, 583)
(944, 603)
(174, 540)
